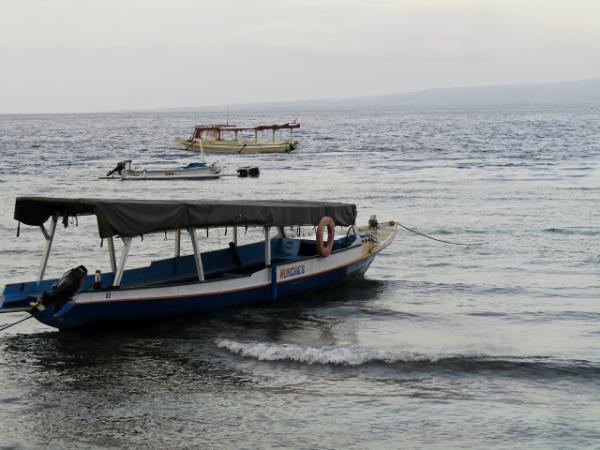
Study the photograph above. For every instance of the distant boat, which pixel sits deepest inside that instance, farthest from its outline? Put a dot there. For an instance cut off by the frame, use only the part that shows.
(193, 171)
(230, 139)
(271, 269)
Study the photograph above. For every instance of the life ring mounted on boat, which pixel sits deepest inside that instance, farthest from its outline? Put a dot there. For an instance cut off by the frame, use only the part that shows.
(323, 249)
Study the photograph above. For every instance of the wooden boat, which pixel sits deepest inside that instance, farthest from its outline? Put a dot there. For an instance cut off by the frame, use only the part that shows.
(230, 139)
(271, 269)
(193, 171)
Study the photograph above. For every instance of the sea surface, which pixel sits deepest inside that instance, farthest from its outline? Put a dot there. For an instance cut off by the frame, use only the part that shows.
(495, 345)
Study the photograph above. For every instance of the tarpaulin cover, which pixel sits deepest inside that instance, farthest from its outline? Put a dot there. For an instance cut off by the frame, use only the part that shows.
(118, 217)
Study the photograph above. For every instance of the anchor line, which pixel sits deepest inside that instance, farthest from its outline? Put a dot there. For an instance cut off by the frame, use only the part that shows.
(22, 319)
(435, 239)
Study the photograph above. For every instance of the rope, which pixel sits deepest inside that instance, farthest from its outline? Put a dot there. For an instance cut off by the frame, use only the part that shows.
(435, 239)
(23, 319)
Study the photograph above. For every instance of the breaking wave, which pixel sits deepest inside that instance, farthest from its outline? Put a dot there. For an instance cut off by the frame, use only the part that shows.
(534, 366)
(343, 356)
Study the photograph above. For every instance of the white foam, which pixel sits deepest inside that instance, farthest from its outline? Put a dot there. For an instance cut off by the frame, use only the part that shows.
(346, 356)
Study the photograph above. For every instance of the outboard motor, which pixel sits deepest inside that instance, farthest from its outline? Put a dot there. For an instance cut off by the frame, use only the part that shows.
(61, 292)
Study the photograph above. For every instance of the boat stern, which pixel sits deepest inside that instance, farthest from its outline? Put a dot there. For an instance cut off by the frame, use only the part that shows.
(291, 146)
(19, 296)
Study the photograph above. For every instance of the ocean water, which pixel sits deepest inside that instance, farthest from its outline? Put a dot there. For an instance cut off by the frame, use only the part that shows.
(494, 345)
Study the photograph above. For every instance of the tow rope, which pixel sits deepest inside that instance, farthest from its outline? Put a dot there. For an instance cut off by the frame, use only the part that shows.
(439, 240)
(22, 319)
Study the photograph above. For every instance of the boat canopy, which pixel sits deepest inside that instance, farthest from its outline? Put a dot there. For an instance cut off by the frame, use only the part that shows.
(128, 218)
(282, 126)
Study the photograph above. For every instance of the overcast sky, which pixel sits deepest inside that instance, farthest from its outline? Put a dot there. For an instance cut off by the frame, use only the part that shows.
(105, 55)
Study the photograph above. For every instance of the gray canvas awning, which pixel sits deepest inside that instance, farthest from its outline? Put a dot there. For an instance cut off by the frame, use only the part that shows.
(118, 217)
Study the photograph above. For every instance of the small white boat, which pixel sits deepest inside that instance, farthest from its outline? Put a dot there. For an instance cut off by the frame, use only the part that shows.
(193, 171)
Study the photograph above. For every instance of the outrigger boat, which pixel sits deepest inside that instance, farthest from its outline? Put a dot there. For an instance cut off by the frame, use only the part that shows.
(193, 171)
(241, 274)
(230, 139)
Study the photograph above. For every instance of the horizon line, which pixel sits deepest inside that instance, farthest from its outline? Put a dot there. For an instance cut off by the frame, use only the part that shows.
(217, 107)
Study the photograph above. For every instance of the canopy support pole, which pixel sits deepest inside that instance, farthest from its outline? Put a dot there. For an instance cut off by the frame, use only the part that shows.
(356, 234)
(44, 232)
(197, 256)
(111, 255)
(48, 247)
(177, 243)
(274, 282)
(122, 261)
(235, 235)
(273, 135)
(267, 247)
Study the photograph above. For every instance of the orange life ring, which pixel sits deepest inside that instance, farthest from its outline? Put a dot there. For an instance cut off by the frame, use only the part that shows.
(325, 250)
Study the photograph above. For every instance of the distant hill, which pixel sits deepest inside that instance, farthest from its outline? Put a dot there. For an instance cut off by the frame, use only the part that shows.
(584, 92)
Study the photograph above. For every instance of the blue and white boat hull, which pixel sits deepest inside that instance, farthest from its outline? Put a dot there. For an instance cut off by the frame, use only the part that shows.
(172, 287)
(155, 303)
